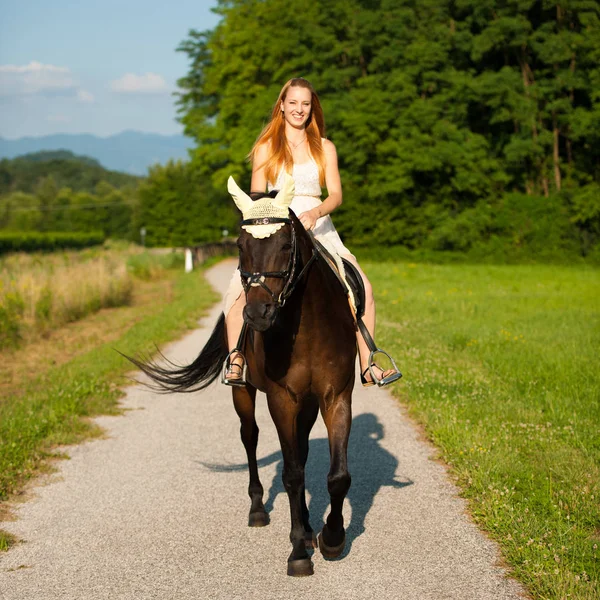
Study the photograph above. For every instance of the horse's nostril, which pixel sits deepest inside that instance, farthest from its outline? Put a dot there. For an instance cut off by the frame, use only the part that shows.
(268, 310)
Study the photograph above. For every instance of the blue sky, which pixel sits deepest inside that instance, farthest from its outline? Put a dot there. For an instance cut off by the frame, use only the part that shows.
(81, 66)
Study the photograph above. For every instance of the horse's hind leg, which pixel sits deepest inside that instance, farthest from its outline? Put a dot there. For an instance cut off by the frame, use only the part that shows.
(244, 399)
(338, 419)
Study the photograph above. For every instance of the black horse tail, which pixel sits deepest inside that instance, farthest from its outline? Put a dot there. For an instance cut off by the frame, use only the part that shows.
(195, 376)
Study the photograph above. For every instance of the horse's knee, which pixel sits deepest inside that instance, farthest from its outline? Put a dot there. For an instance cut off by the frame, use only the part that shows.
(338, 483)
(249, 433)
(293, 477)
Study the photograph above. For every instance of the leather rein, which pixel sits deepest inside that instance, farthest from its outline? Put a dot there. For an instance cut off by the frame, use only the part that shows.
(291, 278)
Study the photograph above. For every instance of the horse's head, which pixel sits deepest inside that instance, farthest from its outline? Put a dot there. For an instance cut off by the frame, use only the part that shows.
(268, 252)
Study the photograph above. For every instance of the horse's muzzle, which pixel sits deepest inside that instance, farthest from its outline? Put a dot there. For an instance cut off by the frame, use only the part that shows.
(260, 315)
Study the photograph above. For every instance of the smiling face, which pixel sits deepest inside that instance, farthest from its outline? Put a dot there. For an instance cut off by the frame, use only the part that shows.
(297, 106)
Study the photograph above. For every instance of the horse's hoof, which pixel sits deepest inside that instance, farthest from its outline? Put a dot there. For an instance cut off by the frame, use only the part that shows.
(258, 519)
(300, 568)
(331, 551)
(310, 539)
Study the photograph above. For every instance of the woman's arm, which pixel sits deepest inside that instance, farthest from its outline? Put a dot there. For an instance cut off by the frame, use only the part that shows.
(334, 187)
(259, 180)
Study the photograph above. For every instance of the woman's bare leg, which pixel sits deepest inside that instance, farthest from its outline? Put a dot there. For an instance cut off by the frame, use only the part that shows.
(368, 320)
(233, 322)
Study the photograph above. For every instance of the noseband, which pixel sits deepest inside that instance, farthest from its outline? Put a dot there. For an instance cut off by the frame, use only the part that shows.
(257, 279)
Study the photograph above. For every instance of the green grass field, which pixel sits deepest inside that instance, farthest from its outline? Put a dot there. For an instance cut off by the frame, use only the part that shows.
(501, 367)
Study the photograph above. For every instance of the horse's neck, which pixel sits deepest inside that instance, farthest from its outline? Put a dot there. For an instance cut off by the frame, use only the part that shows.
(320, 291)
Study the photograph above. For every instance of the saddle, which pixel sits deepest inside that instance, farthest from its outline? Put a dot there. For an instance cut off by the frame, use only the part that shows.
(351, 280)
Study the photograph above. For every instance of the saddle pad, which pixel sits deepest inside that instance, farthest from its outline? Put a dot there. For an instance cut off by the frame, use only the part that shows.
(342, 268)
(356, 284)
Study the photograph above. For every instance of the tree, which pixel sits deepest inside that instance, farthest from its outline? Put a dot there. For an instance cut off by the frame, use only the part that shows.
(179, 207)
(436, 107)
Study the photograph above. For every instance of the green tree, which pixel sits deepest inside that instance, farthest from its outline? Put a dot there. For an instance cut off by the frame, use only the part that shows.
(436, 107)
(179, 207)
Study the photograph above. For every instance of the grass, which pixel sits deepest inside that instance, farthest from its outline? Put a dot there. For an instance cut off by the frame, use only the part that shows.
(501, 367)
(53, 407)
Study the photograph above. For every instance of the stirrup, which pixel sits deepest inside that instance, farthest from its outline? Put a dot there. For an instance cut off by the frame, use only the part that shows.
(236, 381)
(384, 380)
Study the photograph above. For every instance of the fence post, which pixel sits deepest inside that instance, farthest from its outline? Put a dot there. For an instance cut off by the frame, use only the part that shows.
(189, 264)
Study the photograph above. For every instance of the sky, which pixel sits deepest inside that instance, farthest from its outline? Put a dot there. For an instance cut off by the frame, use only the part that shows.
(83, 66)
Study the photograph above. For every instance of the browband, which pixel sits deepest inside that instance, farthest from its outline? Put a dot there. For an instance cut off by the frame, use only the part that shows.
(265, 221)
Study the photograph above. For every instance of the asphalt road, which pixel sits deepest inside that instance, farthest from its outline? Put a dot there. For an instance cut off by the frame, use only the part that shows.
(158, 509)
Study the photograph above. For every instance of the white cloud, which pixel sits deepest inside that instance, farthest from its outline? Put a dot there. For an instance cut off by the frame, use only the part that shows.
(35, 78)
(150, 83)
(84, 96)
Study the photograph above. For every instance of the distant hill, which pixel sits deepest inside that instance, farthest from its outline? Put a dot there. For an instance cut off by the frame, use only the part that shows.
(48, 155)
(130, 151)
(80, 173)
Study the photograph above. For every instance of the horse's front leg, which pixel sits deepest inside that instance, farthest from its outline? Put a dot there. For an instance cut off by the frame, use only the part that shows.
(293, 435)
(338, 420)
(244, 400)
(304, 424)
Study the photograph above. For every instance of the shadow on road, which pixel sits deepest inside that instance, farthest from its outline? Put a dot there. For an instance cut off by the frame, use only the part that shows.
(371, 466)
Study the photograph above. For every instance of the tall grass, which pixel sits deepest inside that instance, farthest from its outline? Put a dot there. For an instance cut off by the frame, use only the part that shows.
(40, 292)
(501, 366)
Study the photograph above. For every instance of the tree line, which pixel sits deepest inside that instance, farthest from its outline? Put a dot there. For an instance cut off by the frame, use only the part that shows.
(458, 123)
(461, 125)
(59, 192)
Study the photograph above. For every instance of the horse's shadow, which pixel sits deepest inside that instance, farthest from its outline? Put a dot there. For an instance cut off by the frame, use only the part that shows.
(371, 466)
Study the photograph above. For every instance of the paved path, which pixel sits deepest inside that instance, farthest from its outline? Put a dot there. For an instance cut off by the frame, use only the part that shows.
(159, 509)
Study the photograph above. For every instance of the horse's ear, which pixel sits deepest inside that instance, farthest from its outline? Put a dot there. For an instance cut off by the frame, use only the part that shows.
(286, 193)
(241, 199)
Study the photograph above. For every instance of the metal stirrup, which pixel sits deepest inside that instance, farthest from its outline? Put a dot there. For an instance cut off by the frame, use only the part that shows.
(375, 350)
(241, 380)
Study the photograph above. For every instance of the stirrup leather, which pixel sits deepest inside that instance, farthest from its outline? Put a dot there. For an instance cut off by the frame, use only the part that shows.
(237, 381)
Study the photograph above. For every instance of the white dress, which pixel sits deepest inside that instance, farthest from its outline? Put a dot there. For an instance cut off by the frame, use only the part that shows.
(308, 196)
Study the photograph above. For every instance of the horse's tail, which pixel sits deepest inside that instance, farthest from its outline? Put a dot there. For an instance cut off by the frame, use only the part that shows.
(195, 376)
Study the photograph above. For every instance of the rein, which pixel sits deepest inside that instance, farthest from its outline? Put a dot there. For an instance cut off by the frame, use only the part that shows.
(258, 278)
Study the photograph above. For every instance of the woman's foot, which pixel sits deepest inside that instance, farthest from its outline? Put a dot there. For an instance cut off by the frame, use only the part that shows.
(367, 379)
(233, 373)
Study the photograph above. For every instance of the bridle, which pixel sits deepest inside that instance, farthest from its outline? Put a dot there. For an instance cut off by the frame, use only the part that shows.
(257, 279)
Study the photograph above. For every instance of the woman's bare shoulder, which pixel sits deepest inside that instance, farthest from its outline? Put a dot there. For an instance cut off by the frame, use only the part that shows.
(261, 152)
(328, 146)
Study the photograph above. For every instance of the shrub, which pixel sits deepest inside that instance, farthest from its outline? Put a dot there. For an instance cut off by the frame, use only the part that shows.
(31, 241)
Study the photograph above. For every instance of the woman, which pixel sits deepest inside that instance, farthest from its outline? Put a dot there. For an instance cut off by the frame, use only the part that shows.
(293, 142)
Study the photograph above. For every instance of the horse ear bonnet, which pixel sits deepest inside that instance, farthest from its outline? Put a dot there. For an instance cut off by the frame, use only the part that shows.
(277, 207)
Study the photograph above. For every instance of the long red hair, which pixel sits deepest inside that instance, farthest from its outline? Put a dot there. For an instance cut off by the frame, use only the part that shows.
(274, 134)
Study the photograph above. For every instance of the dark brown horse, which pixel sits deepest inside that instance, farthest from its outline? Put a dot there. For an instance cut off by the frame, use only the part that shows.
(300, 350)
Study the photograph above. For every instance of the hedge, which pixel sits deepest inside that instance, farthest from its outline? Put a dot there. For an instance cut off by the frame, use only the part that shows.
(32, 241)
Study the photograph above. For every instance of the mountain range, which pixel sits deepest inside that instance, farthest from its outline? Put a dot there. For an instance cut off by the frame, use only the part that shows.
(129, 151)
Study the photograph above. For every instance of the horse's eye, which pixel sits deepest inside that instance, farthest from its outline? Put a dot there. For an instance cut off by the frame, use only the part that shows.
(286, 247)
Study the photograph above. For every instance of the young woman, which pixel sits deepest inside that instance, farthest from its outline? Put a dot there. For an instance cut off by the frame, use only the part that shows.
(293, 142)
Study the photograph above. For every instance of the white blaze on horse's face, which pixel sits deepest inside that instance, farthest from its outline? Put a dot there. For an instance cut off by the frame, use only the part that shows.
(277, 207)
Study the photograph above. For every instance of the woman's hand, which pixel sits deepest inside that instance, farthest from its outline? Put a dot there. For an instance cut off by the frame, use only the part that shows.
(309, 219)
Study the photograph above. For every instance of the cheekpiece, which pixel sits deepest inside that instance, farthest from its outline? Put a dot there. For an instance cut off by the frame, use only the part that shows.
(266, 209)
